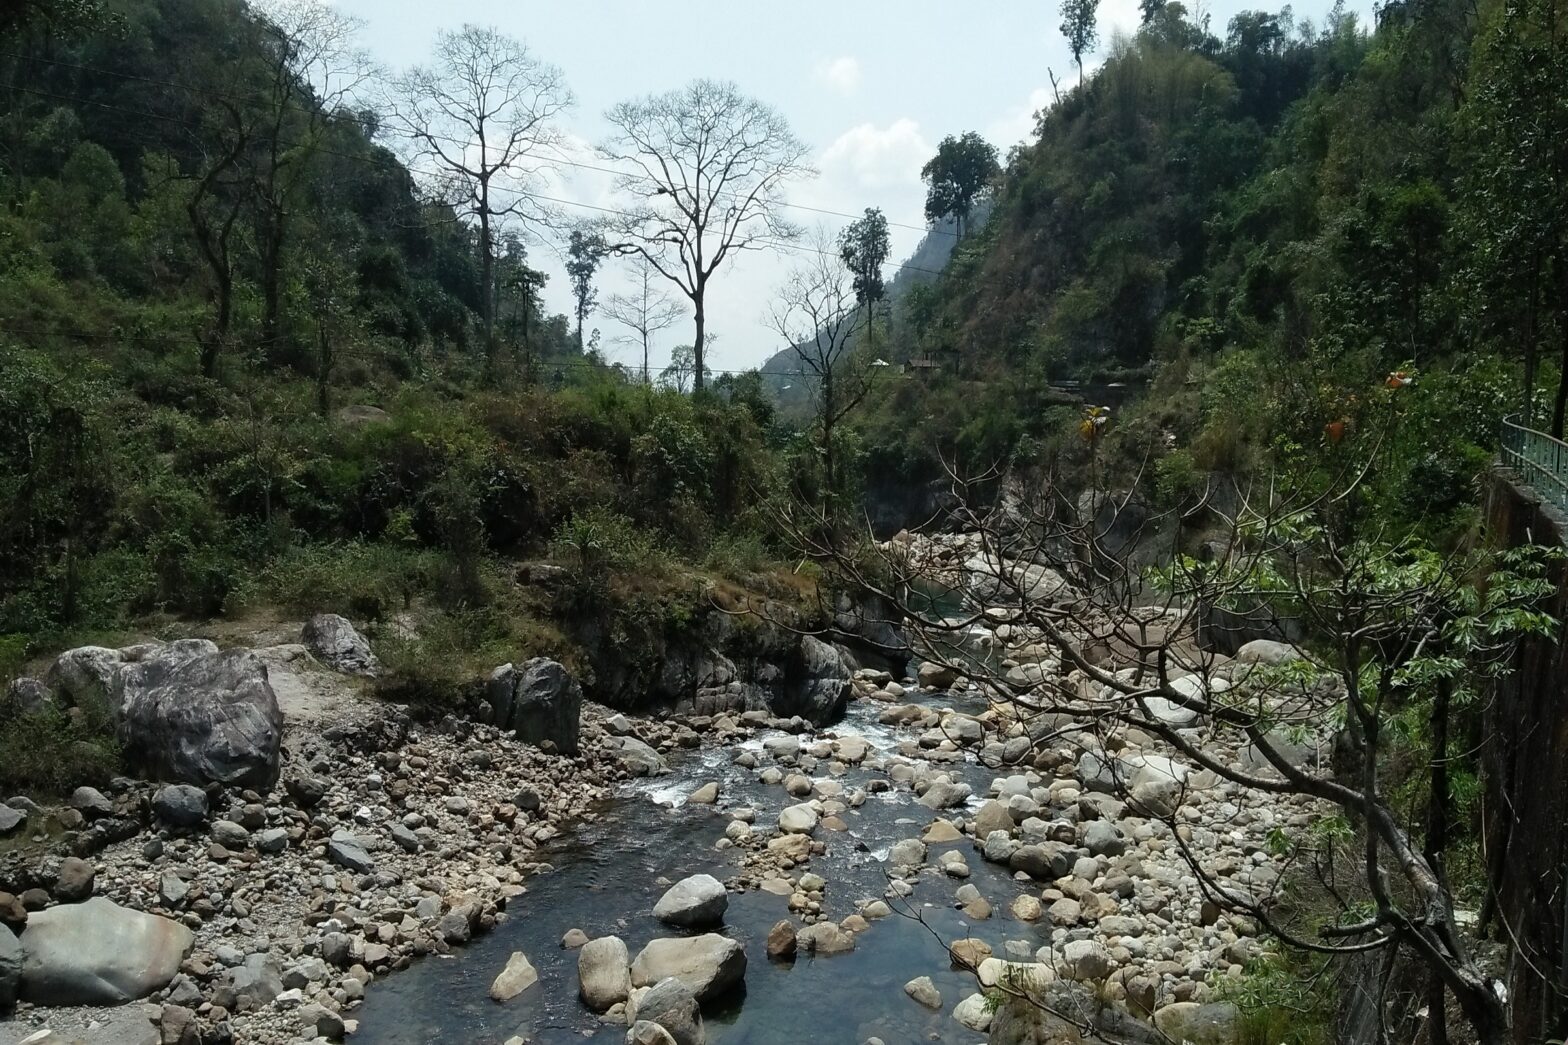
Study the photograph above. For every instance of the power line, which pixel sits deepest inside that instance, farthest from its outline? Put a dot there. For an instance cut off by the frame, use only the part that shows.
(399, 165)
(561, 159)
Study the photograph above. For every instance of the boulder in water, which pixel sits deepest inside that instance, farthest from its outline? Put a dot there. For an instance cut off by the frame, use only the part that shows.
(604, 972)
(637, 757)
(518, 975)
(671, 1005)
(698, 902)
(709, 964)
(99, 953)
(190, 713)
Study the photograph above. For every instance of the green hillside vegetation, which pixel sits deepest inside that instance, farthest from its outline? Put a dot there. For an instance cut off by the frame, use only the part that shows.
(242, 365)
(1263, 227)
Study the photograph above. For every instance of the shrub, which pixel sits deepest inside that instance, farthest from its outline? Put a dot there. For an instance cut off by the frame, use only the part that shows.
(53, 751)
(364, 581)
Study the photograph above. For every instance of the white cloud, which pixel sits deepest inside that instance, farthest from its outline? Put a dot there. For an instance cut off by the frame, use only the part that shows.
(877, 158)
(1017, 124)
(841, 74)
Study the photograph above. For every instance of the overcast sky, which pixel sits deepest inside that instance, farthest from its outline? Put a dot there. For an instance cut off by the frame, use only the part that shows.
(871, 86)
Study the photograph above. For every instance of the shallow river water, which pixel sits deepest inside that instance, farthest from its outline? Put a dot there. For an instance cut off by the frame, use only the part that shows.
(609, 873)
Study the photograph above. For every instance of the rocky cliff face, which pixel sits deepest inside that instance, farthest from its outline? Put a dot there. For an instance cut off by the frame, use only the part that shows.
(719, 662)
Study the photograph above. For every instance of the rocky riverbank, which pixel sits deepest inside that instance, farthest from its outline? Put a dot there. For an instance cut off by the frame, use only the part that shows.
(269, 905)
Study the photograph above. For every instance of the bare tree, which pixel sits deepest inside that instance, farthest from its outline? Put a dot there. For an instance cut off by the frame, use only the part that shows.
(818, 313)
(213, 207)
(706, 167)
(1106, 654)
(484, 112)
(313, 71)
(645, 312)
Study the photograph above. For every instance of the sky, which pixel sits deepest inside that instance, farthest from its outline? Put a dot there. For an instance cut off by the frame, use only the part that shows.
(870, 86)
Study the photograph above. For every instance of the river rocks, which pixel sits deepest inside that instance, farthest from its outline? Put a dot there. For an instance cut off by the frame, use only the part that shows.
(940, 831)
(698, 902)
(91, 803)
(1084, 960)
(82, 677)
(1211, 1024)
(1046, 861)
(230, 835)
(992, 816)
(604, 972)
(189, 713)
(643, 1032)
(816, 683)
(335, 643)
(75, 881)
(709, 964)
(10, 969)
(638, 758)
(99, 953)
(180, 805)
(252, 984)
(782, 942)
(968, 953)
(346, 850)
(1102, 838)
(924, 991)
(11, 820)
(907, 854)
(1267, 651)
(518, 975)
(944, 794)
(798, 819)
(540, 700)
(974, 1012)
(671, 1005)
(705, 795)
(936, 676)
(825, 938)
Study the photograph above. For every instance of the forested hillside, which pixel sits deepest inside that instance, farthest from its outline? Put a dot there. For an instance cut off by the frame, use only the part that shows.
(1226, 346)
(1263, 221)
(243, 357)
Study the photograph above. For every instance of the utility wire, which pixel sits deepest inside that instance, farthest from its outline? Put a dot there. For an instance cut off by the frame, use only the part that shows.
(395, 165)
(562, 159)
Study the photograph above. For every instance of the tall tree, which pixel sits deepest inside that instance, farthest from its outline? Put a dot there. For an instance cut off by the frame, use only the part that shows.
(864, 247)
(484, 112)
(213, 206)
(645, 311)
(312, 70)
(706, 167)
(956, 176)
(817, 312)
(583, 255)
(1079, 19)
(1516, 191)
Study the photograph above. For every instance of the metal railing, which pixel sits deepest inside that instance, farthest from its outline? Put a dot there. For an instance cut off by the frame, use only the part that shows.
(1540, 460)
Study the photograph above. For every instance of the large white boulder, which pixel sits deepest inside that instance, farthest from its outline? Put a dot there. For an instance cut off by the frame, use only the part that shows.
(709, 964)
(99, 953)
(698, 902)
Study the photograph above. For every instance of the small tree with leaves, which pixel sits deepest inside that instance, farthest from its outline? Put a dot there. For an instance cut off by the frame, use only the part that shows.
(864, 247)
(583, 257)
(961, 171)
(1079, 26)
